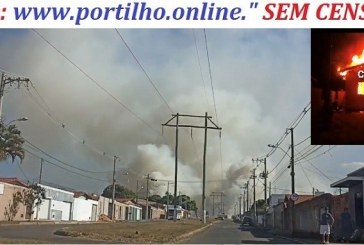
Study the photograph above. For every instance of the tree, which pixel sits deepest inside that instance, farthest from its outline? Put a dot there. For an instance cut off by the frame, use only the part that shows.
(156, 198)
(120, 192)
(13, 206)
(32, 197)
(11, 143)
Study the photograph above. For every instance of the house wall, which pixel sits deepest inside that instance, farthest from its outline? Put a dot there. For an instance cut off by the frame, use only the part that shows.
(358, 188)
(103, 206)
(353, 100)
(6, 196)
(307, 214)
(60, 210)
(82, 209)
(57, 205)
(278, 212)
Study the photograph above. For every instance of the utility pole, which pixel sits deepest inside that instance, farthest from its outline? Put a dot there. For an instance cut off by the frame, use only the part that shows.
(147, 202)
(265, 180)
(136, 193)
(247, 196)
(41, 170)
(240, 197)
(292, 180)
(113, 190)
(292, 162)
(10, 80)
(177, 125)
(254, 199)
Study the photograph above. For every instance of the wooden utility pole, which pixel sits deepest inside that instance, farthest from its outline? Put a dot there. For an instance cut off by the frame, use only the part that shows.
(247, 196)
(177, 125)
(41, 170)
(254, 198)
(113, 190)
(292, 180)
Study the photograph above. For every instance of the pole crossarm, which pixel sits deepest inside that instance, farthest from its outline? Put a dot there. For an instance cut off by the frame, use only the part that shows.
(177, 125)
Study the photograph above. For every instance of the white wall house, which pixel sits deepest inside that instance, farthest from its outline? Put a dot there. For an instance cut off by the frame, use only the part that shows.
(84, 207)
(57, 205)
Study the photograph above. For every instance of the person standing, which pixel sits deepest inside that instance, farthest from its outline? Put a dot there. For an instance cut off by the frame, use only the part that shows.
(325, 225)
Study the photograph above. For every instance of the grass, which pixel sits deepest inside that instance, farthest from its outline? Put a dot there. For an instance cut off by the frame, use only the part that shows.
(161, 231)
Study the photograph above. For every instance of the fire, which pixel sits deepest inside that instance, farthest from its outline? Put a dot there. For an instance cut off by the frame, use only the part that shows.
(357, 59)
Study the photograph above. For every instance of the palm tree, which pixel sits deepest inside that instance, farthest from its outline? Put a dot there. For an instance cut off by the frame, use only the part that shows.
(11, 143)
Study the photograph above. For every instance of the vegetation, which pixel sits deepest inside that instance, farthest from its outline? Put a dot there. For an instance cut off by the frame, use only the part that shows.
(29, 197)
(11, 143)
(123, 192)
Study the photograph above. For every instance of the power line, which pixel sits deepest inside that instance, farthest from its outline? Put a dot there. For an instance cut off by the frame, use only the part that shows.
(210, 73)
(58, 160)
(68, 170)
(97, 84)
(200, 67)
(144, 71)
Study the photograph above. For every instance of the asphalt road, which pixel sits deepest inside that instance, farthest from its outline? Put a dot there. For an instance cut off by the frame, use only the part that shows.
(38, 233)
(228, 232)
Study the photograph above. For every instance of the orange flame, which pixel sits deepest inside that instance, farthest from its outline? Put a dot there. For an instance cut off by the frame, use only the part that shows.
(355, 60)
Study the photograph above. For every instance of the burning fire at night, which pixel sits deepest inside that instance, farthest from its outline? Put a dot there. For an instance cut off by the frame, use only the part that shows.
(355, 61)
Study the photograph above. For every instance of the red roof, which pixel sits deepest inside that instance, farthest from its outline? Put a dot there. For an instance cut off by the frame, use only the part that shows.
(14, 181)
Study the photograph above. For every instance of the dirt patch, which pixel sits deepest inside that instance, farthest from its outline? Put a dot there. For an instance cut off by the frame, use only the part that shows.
(161, 231)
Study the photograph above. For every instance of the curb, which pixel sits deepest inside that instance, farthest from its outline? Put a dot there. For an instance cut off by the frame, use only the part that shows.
(191, 233)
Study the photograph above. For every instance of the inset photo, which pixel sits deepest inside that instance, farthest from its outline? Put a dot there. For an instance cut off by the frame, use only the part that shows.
(337, 87)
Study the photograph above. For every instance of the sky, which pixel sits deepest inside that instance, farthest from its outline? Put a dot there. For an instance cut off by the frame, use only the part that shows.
(104, 93)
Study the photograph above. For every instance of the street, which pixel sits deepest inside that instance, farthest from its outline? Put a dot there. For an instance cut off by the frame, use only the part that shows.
(38, 234)
(228, 232)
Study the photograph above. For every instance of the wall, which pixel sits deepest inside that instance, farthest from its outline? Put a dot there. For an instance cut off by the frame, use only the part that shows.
(59, 206)
(6, 196)
(82, 209)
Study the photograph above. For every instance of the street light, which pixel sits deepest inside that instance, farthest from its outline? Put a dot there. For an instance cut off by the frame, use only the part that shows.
(17, 120)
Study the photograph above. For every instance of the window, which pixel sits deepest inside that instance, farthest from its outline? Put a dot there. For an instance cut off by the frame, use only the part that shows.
(361, 88)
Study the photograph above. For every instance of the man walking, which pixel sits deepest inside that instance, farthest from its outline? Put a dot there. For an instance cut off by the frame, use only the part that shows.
(325, 225)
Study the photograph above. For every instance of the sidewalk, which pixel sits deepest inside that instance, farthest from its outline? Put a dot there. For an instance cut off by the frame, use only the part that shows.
(308, 239)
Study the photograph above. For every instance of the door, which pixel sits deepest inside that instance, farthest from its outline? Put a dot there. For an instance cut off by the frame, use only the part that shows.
(359, 210)
(93, 212)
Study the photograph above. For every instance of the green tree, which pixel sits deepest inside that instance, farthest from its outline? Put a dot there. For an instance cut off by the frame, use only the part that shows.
(32, 197)
(156, 198)
(11, 143)
(120, 192)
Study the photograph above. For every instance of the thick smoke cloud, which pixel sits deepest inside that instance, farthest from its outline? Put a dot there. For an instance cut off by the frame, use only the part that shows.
(255, 77)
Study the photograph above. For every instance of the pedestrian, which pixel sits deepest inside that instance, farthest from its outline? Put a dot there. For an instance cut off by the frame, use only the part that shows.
(346, 225)
(325, 225)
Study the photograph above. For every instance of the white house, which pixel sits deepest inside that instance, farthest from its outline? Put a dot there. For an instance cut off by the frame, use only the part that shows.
(84, 207)
(56, 205)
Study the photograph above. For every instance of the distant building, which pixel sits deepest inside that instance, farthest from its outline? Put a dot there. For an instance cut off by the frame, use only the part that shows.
(354, 181)
(84, 207)
(57, 204)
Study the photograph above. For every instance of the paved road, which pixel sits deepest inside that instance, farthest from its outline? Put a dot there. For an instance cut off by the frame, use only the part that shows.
(228, 232)
(41, 233)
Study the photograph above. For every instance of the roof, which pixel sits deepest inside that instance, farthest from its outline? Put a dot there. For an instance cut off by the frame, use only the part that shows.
(301, 198)
(14, 181)
(86, 195)
(359, 172)
(353, 178)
